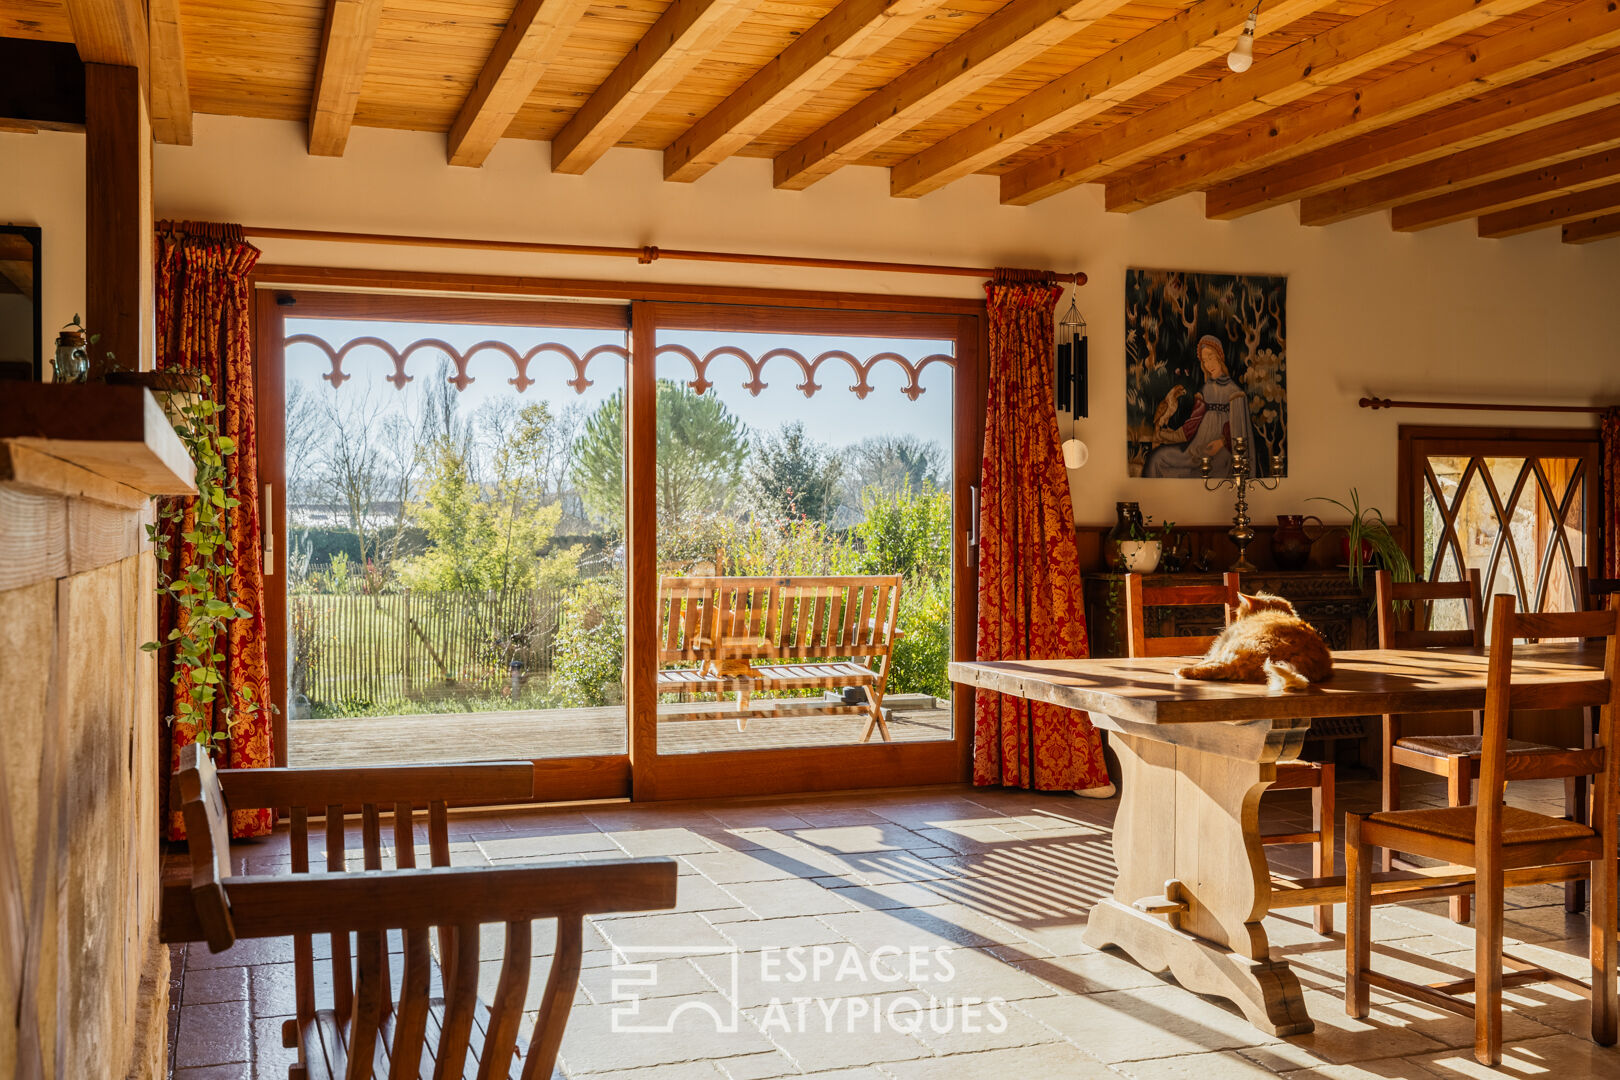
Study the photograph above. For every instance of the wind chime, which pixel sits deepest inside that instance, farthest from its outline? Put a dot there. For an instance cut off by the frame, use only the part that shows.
(1073, 374)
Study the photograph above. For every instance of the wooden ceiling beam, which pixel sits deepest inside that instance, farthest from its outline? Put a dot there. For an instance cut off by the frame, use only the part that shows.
(1581, 30)
(1562, 179)
(110, 32)
(1017, 33)
(817, 58)
(347, 35)
(1188, 40)
(171, 89)
(1351, 49)
(655, 65)
(530, 41)
(1544, 146)
(1567, 92)
(1597, 202)
(1599, 228)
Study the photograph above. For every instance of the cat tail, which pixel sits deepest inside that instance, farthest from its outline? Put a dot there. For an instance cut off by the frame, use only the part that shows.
(1212, 670)
(1281, 675)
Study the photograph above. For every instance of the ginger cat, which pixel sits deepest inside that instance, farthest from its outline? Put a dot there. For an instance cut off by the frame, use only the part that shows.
(1267, 642)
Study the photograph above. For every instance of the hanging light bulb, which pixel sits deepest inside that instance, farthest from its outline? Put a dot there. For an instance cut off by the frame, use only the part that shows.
(1241, 58)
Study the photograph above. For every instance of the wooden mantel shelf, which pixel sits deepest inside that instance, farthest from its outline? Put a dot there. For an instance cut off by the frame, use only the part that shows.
(107, 443)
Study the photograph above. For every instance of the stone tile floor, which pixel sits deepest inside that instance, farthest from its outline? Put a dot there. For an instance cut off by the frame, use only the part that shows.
(937, 935)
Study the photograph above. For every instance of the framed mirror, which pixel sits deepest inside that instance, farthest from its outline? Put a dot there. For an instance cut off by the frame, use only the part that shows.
(22, 339)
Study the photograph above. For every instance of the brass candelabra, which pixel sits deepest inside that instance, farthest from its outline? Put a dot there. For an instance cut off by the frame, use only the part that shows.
(1242, 530)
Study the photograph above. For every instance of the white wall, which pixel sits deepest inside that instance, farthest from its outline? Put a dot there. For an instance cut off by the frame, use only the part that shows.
(42, 183)
(1440, 313)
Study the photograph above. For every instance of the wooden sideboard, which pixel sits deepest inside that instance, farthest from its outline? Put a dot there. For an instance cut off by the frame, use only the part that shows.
(1325, 598)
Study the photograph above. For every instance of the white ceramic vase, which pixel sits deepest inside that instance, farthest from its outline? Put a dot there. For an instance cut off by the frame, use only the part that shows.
(1141, 556)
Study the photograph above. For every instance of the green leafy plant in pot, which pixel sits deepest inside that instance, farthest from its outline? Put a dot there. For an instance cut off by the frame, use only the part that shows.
(1366, 538)
(1141, 553)
(201, 586)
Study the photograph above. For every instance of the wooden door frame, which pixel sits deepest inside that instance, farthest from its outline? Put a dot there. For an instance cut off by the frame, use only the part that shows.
(336, 293)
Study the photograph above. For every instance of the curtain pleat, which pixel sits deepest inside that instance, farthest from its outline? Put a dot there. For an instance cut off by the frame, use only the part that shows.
(1609, 491)
(1030, 602)
(204, 324)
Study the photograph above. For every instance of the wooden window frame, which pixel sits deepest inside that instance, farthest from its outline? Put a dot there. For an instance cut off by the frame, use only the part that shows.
(643, 773)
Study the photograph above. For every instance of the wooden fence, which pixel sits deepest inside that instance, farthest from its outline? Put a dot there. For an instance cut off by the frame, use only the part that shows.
(415, 645)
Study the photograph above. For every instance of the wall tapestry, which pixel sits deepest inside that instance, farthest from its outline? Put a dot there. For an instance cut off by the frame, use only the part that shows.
(1204, 362)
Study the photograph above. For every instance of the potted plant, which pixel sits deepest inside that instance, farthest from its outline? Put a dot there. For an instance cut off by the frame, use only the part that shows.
(1367, 537)
(1143, 550)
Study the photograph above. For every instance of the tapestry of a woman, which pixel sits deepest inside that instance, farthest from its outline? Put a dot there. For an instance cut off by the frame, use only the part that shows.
(1219, 414)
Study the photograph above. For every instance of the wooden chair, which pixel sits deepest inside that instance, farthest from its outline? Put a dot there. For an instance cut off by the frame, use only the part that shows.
(1591, 594)
(1494, 838)
(1318, 777)
(1455, 757)
(366, 1030)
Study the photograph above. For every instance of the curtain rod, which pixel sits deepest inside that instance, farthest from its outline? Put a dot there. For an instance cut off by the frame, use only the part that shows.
(644, 255)
(1388, 403)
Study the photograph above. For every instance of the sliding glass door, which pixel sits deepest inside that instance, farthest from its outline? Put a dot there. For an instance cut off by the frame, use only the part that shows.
(661, 549)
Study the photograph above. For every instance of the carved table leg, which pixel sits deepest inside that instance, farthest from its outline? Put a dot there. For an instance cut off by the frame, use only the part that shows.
(1188, 828)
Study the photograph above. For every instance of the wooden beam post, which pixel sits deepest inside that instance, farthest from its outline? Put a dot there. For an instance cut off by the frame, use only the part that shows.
(118, 218)
(110, 32)
(346, 39)
(1350, 49)
(1011, 37)
(819, 57)
(532, 38)
(655, 65)
(171, 88)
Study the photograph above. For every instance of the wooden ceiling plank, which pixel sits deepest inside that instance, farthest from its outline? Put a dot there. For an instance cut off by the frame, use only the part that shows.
(1349, 50)
(819, 57)
(171, 90)
(530, 41)
(675, 44)
(1542, 215)
(1582, 30)
(110, 32)
(1190, 39)
(1017, 33)
(349, 31)
(1568, 92)
(1563, 179)
(1599, 228)
(1563, 141)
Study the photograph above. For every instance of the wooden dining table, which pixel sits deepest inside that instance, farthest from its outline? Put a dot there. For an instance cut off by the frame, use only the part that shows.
(1193, 884)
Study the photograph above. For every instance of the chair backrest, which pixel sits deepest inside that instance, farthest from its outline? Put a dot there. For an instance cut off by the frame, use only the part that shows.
(1593, 592)
(1140, 596)
(1507, 625)
(361, 985)
(1393, 595)
(712, 618)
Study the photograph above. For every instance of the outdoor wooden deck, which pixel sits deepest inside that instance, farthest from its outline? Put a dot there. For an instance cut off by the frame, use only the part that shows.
(400, 740)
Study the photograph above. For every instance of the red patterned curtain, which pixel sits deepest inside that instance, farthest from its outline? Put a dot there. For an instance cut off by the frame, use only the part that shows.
(204, 312)
(1029, 569)
(1609, 491)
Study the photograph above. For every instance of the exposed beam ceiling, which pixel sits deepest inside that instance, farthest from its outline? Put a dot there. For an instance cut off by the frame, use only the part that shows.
(831, 49)
(1524, 106)
(1585, 232)
(1354, 48)
(1017, 33)
(171, 89)
(1192, 38)
(1565, 208)
(678, 41)
(346, 39)
(1561, 179)
(1516, 53)
(109, 32)
(1558, 142)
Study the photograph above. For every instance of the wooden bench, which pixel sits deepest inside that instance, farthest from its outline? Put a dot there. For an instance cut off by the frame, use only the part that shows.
(375, 1025)
(826, 633)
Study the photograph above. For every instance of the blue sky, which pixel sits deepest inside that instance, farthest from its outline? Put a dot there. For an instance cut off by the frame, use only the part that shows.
(833, 415)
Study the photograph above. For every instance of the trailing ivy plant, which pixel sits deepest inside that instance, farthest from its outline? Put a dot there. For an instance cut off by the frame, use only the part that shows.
(201, 587)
